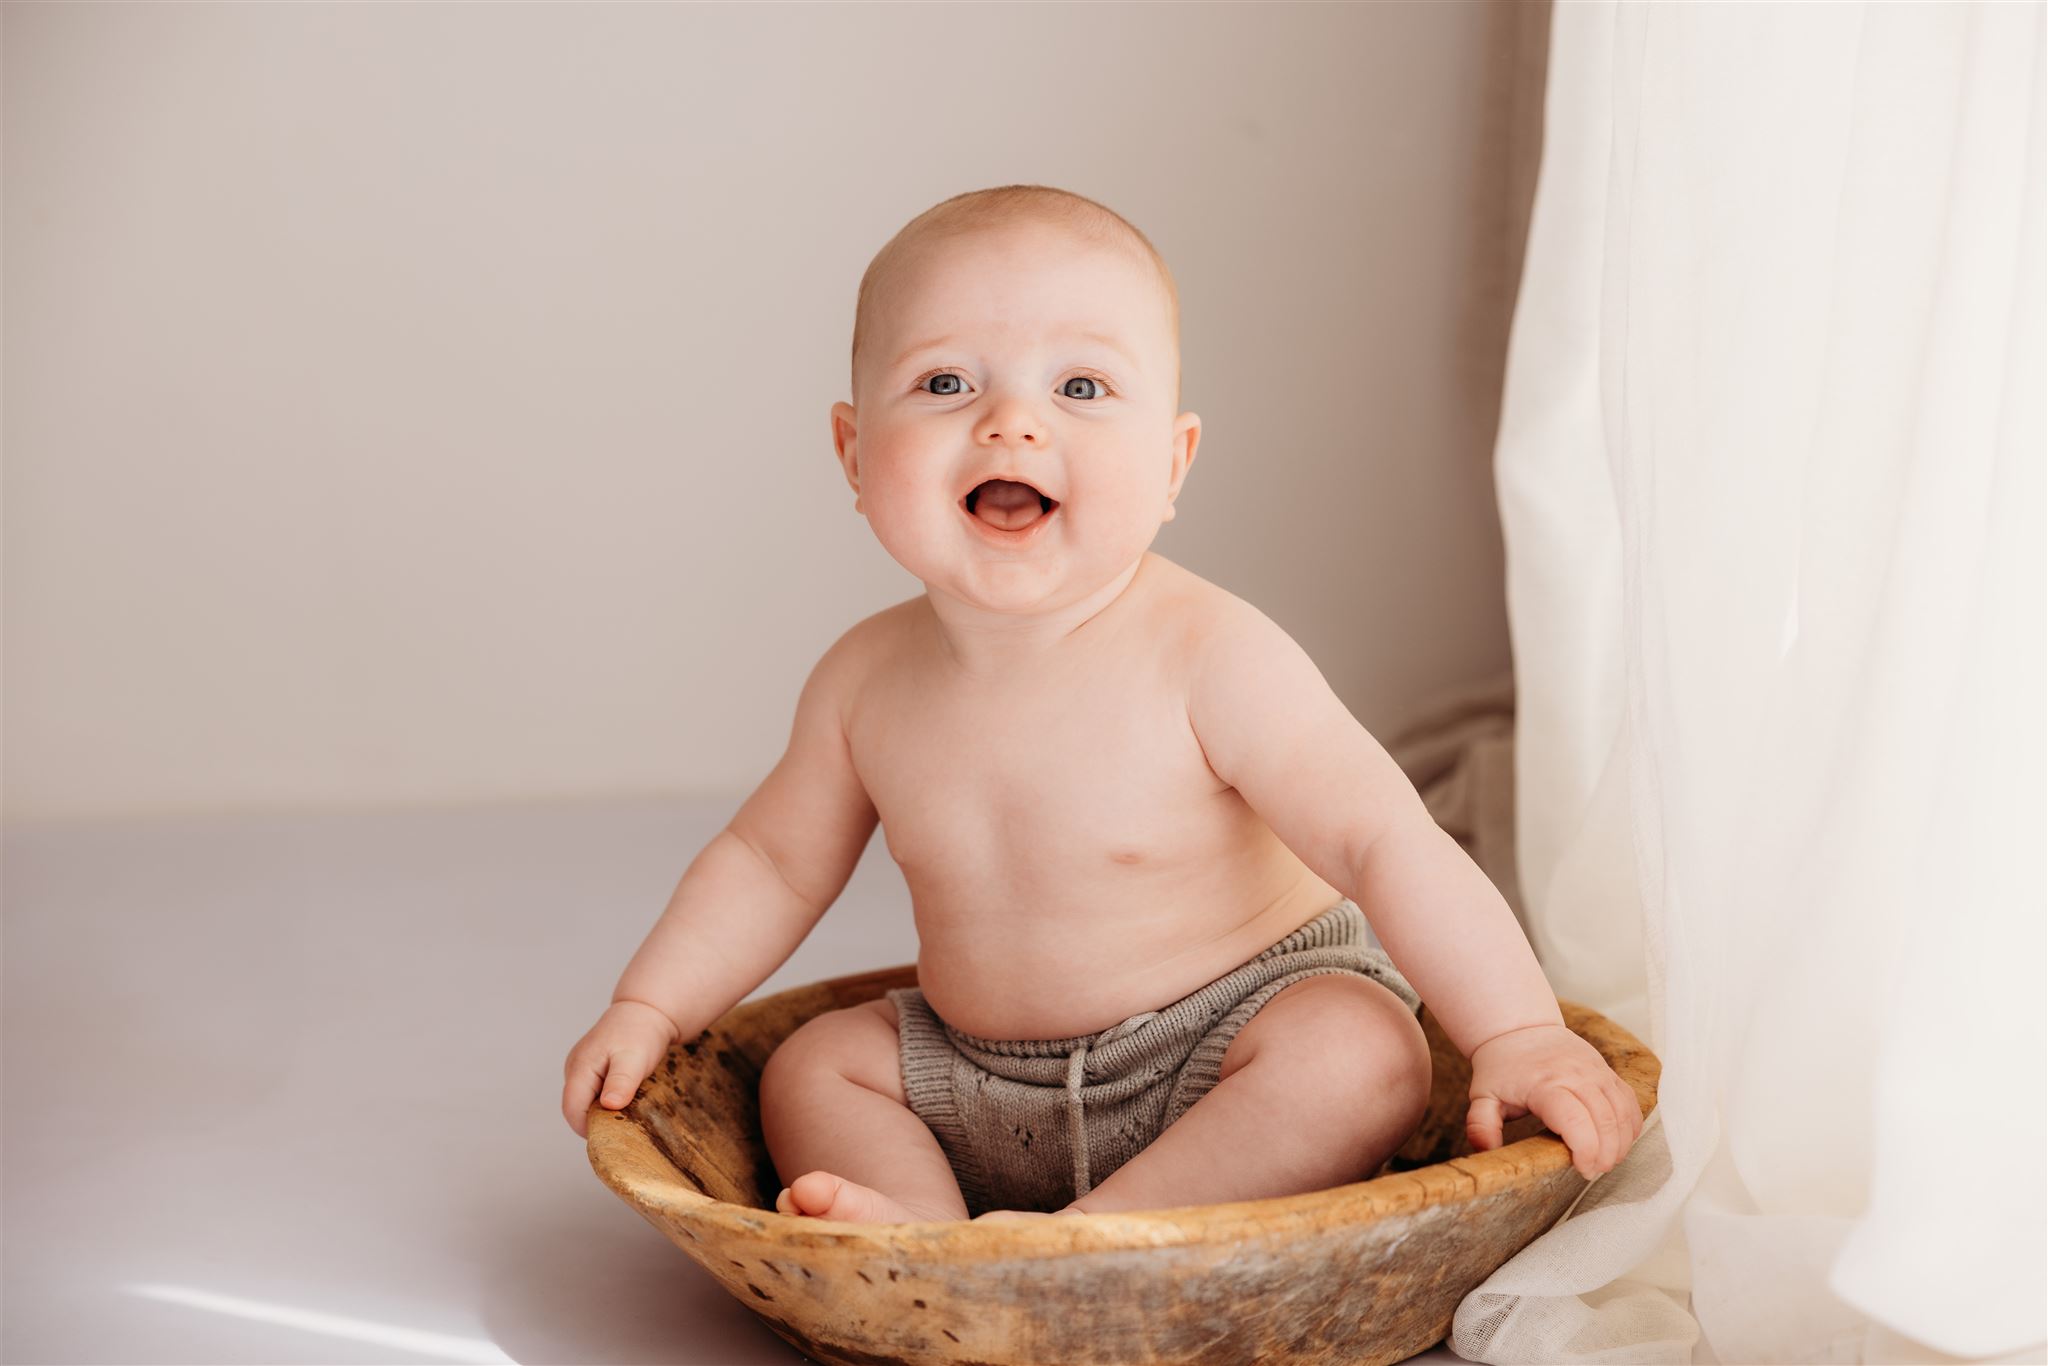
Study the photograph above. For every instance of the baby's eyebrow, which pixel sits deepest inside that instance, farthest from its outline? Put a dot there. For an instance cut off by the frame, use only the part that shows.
(1111, 342)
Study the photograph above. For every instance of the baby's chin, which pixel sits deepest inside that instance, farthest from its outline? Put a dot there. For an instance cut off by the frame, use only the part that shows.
(1048, 585)
(1012, 589)
(950, 553)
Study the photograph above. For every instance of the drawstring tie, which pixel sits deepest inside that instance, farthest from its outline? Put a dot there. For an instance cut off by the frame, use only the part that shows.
(1077, 1066)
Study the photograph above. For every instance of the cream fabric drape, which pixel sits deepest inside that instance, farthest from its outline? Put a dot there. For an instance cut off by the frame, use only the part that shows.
(1770, 471)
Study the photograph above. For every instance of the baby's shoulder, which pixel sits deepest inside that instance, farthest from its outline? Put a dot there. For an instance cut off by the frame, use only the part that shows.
(871, 638)
(1196, 616)
(873, 649)
(1225, 652)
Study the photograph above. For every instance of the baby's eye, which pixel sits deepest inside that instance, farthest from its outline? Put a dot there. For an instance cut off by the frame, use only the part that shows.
(938, 379)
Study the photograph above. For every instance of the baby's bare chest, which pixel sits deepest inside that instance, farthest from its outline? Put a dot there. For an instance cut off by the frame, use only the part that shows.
(1070, 855)
(1100, 774)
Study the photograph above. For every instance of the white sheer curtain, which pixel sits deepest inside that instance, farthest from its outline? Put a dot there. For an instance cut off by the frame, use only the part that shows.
(1770, 473)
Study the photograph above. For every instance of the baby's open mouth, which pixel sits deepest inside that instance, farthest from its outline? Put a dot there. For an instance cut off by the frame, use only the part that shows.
(1007, 504)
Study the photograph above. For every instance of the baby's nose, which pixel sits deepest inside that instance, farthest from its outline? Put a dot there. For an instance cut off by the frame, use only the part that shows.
(1012, 418)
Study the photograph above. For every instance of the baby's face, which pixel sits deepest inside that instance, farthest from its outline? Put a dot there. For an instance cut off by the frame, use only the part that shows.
(1031, 354)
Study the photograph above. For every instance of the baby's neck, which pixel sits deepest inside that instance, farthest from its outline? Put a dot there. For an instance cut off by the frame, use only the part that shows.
(984, 644)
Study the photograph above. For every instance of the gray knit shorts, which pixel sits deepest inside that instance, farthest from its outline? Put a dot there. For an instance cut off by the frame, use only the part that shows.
(1031, 1124)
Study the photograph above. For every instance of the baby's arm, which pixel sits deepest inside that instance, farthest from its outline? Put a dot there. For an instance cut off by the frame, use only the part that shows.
(745, 902)
(1271, 728)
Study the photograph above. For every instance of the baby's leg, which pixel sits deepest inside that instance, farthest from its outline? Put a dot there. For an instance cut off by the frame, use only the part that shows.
(841, 1131)
(1318, 1089)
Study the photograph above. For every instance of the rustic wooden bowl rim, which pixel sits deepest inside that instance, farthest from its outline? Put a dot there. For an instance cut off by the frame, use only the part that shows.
(626, 1157)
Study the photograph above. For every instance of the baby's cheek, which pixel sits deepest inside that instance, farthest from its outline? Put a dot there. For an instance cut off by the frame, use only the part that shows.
(908, 533)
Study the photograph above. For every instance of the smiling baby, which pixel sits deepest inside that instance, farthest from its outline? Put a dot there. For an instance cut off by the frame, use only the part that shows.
(1142, 837)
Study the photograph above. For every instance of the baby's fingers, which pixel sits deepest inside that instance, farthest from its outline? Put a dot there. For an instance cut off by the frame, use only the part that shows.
(1609, 1121)
(1630, 1111)
(1572, 1118)
(1483, 1124)
(626, 1067)
(578, 1089)
(622, 1079)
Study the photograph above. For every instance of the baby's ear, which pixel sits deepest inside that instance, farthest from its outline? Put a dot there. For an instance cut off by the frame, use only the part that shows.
(845, 446)
(1187, 434)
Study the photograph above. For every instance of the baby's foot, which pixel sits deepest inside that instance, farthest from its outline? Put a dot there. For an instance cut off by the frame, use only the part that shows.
(825, 1196)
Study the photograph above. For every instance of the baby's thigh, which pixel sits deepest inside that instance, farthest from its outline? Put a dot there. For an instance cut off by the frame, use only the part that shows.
(859, 1043)
(1338, 1031)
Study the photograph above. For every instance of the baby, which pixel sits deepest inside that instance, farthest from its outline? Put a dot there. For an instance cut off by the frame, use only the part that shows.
(1139, 831)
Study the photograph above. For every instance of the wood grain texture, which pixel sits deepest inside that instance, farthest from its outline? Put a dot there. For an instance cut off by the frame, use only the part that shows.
(1360, 1274)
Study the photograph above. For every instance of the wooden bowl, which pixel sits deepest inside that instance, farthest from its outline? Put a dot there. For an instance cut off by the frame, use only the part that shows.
(1366, 1273)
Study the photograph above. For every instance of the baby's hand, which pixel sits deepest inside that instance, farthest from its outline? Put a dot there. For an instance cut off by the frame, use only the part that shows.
(1563, 1079)
(628, 1041)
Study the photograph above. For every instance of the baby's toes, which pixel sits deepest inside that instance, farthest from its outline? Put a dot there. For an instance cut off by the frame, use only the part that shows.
(825, 1196)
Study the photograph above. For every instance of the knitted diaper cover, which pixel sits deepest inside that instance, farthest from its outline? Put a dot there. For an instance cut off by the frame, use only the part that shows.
(1032, 1124)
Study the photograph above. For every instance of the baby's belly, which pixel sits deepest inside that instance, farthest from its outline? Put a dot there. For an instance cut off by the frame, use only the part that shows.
(1053, 961)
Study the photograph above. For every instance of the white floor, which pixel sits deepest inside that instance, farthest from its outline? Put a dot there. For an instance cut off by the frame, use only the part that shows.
(286, 1088)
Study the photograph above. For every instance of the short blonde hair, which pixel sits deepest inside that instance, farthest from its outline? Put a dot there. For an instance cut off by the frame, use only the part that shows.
(977, 210)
